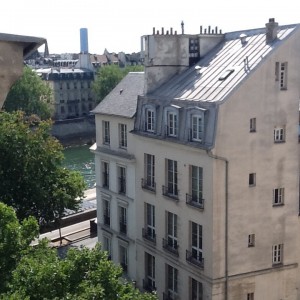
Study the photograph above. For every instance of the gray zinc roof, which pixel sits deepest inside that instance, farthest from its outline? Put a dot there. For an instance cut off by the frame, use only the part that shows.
(122, 100)
(232, 59)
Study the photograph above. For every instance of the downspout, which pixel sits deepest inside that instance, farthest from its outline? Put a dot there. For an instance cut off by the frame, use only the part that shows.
(226, 216)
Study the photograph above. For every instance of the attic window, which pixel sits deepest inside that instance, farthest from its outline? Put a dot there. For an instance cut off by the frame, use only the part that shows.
(226, 74)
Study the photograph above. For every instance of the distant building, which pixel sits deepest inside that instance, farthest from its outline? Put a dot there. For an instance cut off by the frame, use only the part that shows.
(207, 157)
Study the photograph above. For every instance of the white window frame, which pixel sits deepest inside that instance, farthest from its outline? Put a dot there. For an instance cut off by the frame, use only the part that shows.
(196, 289)
(278, 196)
(197, 127)
(123, 256)
(121, 171)
(122, 216)
(150, 170)
(250, 296)
(150, 119)
(277, 254)
(172, 123)
(196, 241)
(279, 134)
(107, 245)
(172, 177)
(123, 136)
(172, 281)
(105, 173)
(150, 220)
(106, 132)
(197, 184)
(150, 269)
(172, 238)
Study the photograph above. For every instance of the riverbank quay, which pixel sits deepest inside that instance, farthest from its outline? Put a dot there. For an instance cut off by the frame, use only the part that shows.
(77, 228)
(87, 211)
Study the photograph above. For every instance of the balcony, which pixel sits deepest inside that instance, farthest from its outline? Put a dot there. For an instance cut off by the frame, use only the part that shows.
(171, 246)
(194, 201)
(195, 259)
(123, 227)
(170, 192)
(169, 296)
(148, 184)
(149, 285)
(106, 220)
(149, 234)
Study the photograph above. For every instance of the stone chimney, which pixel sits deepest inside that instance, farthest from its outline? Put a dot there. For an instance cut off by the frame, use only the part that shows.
(271, 30)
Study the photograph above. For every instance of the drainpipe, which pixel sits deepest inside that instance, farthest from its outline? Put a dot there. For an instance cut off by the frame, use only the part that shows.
(226, 216)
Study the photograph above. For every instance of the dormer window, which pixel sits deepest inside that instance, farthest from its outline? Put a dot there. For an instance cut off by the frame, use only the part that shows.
(197, 128)
(150, 119)
(172, 123)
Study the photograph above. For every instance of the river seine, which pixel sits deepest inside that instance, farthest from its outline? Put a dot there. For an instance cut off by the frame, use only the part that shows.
(81, 159)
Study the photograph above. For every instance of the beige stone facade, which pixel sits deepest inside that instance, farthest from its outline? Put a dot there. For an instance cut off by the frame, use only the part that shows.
(215, 162)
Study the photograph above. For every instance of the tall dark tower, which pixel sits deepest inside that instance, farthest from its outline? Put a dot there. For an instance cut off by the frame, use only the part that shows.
(84, 45)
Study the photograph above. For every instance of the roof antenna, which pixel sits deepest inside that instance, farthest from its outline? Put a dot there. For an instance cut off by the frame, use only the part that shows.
(182, 27)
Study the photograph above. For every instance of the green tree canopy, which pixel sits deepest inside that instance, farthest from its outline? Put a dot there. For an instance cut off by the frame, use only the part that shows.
(33, 180)
(108, 77)
(31, 95)
(83, 274)
(15, 238)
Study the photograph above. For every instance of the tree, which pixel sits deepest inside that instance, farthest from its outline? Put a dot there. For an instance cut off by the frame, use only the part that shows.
(31, 95)
(83, 274)
(108, 77)
(33, 180)
(15, 238)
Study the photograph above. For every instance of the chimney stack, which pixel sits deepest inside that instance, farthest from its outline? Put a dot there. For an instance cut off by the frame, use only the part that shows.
(84, 45)
(271, 30)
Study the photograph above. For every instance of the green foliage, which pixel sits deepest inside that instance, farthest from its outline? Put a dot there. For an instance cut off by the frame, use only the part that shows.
(33, 180)
(31, 95)
(83, 274)
(108, 77)
(15, 238)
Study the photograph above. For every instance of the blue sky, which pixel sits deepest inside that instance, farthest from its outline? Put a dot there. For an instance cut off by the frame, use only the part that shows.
(118, 25)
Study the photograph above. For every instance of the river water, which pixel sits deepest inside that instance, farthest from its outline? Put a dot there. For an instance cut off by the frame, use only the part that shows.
(81, 159)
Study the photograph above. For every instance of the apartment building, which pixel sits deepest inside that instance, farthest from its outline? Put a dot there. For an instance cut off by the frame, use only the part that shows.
(216, 164)
(115, 172)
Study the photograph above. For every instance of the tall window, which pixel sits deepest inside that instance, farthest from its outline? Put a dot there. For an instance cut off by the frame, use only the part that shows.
(278, 196)
(279, 134)
(123, 257)
(105, 174)
(150, 222)
(196, 290)
(250, 296)
(149, 283)
(196, 245)
(149, 180)
(252, 124)
(150, 120)
(172, 180)
(281, 74)
(277, 252)
(122, 135)
(252, 179)
(197, 128)
(123, 219)
(106, 212)
(172, 123)
(122, 180)
(107, 246)
(172, 282)
(172, 230)
(196, 197)
(106, 132)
